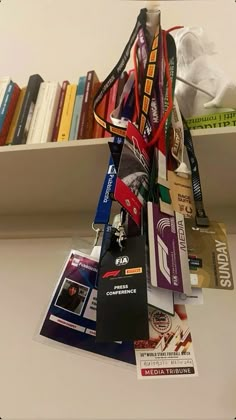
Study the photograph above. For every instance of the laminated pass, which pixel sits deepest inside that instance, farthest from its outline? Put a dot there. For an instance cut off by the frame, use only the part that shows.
(72, 312)
(209, 258)
(169, 266)
(169, 351)
(122, 309)
(208, 253)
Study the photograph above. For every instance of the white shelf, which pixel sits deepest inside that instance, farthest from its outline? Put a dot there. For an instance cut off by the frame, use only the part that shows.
(216, 152)
(57, 179)
(53, 177)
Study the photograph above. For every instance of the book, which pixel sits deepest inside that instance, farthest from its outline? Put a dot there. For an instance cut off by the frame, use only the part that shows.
(77, 108)
(5, 102)
(111, 104)
(115, 96)
(27, 109)
(64, 129)
(55, 130)
(7, 109)
(4, 82)
(98, 130)
(217, 120)
(51, 110)
(43, 113)
(121, 84)
(38, 115)
(86, 119)
(15, 116)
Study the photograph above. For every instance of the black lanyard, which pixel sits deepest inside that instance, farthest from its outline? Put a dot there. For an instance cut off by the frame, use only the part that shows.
(201, 217)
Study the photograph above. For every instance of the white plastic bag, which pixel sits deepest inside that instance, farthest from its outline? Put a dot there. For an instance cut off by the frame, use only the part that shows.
(196, 65)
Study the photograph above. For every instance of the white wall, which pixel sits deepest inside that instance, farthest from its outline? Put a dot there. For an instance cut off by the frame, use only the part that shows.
(63, 39)
(42, 382)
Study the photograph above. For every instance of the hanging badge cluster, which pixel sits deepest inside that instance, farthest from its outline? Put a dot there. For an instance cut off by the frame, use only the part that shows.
(160, 250)
(169, 248)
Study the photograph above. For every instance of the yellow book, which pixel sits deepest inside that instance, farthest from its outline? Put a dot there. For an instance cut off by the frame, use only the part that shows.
(15, 116)
(67, 112)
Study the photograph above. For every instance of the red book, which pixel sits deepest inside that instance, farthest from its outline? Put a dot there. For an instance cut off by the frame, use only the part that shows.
(121, 84)
(59, 110)
(9, 112)
(98, 130)
(111, 104)
(85, 130)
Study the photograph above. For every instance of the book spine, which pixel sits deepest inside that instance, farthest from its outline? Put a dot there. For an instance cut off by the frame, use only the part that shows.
(5, 103)
(15, 117)
(4, 82)
(89, 121)
(219, 120)
(64, 130)
(9, 112)
(121, 84)
(98, 130)
(51, 113)
(77, 108)
(111, 104)
(85, 119)
(27, 109)
(59, 110)
(36, 122)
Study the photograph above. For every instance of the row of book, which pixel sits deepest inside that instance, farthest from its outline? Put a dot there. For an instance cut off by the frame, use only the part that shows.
(47, 111)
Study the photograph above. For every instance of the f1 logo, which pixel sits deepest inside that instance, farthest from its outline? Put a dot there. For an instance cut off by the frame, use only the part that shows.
(110, 274)
(163, 262)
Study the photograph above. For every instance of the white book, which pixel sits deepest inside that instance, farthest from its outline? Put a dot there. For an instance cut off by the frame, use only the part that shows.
(53, 96)
(36, 122)
(4, 82)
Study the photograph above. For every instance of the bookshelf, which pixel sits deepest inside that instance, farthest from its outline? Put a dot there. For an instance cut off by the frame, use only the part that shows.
(45, 211)
(53, 188)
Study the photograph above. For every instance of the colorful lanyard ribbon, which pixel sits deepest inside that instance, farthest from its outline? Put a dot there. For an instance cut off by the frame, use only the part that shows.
(114, 75)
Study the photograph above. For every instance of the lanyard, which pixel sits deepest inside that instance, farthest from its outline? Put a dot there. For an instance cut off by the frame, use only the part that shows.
(103, 210)
(201, 217)
(115, 74)
(147, 85)
(143, 57)
(167, 77)
(149, 82)
(153, 77)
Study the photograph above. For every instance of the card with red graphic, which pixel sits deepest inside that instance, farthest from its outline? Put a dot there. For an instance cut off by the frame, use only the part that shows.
(133, 174)
(169, 351)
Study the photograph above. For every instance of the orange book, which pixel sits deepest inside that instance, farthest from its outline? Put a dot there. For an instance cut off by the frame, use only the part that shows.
(98, 130)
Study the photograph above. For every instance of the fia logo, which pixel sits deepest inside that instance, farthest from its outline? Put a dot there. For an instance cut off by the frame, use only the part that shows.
(122, 260)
